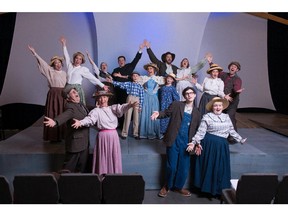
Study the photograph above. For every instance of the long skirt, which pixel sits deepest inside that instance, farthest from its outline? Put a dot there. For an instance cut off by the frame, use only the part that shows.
(205, 98)
(55, 104)
(212, 167)
(149, 129)
(107, 153)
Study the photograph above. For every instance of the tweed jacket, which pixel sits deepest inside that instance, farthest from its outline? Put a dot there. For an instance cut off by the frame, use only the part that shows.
(76, 140)
(176, 112)
(161, 65)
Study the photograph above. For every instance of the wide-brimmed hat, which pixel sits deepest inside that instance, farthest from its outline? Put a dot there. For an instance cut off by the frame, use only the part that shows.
(54, 58)
(163, 57)
(80, 54)
(217, 99)
(214, 67)
(151, 65)
(102, 93)
(172, 75)
(235, 63)
(67, 90)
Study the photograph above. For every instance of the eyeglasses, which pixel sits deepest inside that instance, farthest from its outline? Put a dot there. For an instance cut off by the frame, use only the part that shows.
(188, 93)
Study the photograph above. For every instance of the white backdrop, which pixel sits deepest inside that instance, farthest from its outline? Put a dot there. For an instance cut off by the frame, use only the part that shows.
(229, 36)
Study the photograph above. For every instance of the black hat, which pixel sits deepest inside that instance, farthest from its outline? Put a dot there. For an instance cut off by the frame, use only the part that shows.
(163, 57)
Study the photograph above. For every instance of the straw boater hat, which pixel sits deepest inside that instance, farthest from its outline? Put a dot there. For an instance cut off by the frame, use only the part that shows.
(235, 63)
(217, 99)
(80, 54)
(214, 67)
(163, 57)
(172, 75)
(151, 65)
(102, 93)
(54, 58)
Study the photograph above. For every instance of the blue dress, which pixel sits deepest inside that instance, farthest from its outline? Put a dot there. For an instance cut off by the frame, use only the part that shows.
(167, 94)
(150, 129)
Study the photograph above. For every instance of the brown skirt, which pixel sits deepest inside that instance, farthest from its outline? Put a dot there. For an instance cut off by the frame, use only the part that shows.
(54, 106)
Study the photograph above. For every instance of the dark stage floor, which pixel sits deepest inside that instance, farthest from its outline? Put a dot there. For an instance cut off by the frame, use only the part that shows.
(266, 150)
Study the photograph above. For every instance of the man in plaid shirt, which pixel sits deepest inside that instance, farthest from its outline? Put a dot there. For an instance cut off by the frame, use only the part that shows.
(135, 92)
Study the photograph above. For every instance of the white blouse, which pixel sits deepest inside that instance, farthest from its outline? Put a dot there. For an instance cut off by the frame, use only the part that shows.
(219, 125)
(105, 117)
(212, 86)
(76, 74)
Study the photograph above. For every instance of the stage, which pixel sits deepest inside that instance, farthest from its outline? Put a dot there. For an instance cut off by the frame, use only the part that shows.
(266, 150)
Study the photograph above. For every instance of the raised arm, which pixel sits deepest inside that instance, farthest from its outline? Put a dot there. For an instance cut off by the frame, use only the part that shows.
(94, 66)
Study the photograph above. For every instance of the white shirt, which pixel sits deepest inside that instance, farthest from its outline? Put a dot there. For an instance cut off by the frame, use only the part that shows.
(212, 86)
(75, 75)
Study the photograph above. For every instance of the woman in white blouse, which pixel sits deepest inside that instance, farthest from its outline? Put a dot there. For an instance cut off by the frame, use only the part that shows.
(211, 87)
(76, 72)
(212, 166)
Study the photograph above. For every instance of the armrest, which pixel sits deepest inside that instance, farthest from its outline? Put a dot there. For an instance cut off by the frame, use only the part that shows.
(228, 196)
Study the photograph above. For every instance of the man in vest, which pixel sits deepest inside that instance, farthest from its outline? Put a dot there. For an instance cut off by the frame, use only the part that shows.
(233, 88)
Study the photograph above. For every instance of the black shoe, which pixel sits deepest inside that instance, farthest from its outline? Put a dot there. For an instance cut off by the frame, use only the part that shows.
(137, 137)
(122, 137)
(231, 140)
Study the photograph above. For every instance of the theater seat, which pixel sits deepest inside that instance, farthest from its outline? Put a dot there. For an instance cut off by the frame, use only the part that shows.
(123, 189)
(79, 188)
(252, 188)
(35, 189)
(282, 191)
(5, 192)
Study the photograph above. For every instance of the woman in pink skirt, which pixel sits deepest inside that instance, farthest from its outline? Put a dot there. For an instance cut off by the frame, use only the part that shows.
(107, 151)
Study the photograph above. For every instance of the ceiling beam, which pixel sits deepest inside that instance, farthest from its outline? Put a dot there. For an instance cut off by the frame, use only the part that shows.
(268, 16)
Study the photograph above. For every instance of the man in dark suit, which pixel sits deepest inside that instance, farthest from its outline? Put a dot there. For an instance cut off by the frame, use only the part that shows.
(165, 66)
(184, 122)
(76, 140)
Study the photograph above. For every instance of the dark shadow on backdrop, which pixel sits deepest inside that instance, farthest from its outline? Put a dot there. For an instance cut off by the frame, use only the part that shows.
(7, 24)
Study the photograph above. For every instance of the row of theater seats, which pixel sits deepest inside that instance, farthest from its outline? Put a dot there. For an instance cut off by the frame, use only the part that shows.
(71, 188)
(258, 188)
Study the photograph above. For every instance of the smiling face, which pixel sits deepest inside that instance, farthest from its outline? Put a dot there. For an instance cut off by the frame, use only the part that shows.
(184, 63)
(169, 80)
(214, 74)
(168, 58)
(57, 65)
(217, 107)
(121, 61)
(78, 60)
(233, 69)
(150, 71)
(103, 101)
(73, 96)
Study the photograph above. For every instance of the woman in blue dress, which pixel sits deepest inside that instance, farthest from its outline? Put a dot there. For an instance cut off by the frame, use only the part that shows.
(149, 129)
(212, 166)
(167, 94)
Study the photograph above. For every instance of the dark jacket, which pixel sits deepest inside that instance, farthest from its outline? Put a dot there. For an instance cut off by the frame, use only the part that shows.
(76, 140)
(161, 65)
(176, 112)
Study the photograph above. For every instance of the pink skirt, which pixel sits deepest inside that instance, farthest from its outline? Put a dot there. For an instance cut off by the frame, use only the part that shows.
(107, 153)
